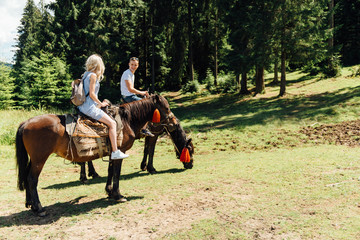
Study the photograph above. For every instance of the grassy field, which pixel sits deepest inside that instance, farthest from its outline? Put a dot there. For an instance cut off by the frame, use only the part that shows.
(255, 175)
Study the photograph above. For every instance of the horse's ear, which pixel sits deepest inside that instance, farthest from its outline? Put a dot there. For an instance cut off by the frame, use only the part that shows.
(188, 142)
(157, 98)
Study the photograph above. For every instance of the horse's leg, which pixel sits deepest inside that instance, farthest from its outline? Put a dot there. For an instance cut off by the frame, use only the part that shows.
(108, 187)
(116, 177)
(146, 153)
(151, 151)
(32, 182)
(28, 202)
(83, 177)
(91, 169)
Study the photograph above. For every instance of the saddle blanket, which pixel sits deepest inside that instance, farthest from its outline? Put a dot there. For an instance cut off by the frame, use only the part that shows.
(91, 137)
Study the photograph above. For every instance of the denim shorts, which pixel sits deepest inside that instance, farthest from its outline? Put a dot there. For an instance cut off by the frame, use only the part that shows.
(131, 98)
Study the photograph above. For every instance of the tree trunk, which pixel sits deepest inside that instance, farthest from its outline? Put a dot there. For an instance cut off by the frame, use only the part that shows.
(283, 74)
(191, 64)
(243, 84)
(331, 23)
(276, 73)
(216, 46)
(153, 56)
(259, 80)
(146, 46)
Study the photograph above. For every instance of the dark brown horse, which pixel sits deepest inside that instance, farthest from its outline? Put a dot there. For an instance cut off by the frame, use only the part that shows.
(43, 135)
(180, 140)
(178, 137)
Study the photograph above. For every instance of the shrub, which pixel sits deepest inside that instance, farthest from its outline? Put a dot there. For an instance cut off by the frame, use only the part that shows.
(332, 68)
(191, 87)
(6, 87)
(209, 81)
(227, 83)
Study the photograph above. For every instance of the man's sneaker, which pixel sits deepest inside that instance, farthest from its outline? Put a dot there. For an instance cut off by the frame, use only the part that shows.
(146, 132)
(118, 155)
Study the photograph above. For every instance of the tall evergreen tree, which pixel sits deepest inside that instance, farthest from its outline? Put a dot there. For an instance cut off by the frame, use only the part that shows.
(249, 36)
(300, 30)
(27, 45)
(347, 33)
(6, 87)
(28, 31)
(46, 82)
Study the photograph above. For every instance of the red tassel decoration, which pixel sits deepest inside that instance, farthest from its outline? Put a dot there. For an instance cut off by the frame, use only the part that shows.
(156, 116)
(185, 155)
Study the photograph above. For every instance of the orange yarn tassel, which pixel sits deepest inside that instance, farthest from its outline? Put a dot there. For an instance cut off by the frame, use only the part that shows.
(156, 116)
(185, 155)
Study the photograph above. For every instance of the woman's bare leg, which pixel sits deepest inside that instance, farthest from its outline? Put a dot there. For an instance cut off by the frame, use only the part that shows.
(112, 130)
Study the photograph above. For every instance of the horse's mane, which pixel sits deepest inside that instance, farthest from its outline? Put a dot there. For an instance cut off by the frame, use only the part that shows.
(179, 137)
(136, 109)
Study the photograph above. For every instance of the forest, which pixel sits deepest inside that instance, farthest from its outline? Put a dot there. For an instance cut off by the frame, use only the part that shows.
(224, 45)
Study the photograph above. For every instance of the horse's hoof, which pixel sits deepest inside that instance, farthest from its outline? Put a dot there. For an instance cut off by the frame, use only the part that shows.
(122, 200)
(152, 171)
(42, 213)
(94, 175)
(84, 181)
(119, 198)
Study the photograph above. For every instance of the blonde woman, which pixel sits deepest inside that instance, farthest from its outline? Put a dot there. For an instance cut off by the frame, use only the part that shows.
(92, 77)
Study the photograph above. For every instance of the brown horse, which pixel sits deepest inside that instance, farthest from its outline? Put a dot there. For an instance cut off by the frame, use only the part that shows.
(43, 135)
(180, 141)
(178, 137)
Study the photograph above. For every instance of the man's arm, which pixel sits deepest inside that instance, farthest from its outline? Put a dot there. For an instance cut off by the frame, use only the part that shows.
(131, 89)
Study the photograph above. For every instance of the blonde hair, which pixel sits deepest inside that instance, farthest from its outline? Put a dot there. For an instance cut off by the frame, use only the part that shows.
(95, 64)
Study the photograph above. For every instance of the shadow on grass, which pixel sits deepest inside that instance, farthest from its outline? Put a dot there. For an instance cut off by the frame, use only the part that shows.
(73, 207)
(57, 211)
(229, 111)
(104, 179)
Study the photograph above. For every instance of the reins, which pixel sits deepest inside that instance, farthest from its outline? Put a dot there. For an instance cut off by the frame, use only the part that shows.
(172, 140)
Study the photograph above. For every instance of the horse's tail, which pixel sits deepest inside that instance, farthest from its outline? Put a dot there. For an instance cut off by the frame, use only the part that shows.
(22, 159)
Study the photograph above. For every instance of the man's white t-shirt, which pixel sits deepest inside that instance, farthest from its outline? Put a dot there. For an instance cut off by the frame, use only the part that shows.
(127, 75)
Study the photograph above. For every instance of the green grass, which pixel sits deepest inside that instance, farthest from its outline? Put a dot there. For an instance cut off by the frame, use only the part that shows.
(255, 175)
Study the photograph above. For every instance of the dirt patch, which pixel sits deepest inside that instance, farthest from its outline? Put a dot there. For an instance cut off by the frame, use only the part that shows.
(344, 133)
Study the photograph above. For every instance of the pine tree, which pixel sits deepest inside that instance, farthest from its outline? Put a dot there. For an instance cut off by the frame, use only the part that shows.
(46, 82)
(27, 43)
(6, 87)
(28, 31)
(250, 32)
(300, 32)
(347, 33)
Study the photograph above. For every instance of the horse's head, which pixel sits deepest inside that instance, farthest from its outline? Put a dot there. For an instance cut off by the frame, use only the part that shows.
(167, 118)
(190, 147)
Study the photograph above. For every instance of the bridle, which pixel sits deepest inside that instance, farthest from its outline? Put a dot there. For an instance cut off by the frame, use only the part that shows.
(167, 120)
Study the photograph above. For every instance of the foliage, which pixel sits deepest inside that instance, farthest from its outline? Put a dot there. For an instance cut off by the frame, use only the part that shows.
(6, 87)
(191, 87)
(209, 81)
(332, 68)
(46, 82)
(227, 83)
(175, 38)
(29, 33)
(346, 34)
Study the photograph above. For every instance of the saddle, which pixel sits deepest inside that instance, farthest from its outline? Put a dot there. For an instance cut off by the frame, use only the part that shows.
(91, 137)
